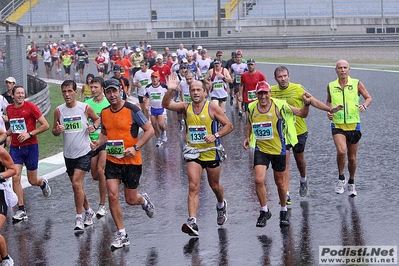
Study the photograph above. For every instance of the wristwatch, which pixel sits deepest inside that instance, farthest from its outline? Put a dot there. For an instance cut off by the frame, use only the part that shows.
(137, 148)
(31, 134)
(217, 135)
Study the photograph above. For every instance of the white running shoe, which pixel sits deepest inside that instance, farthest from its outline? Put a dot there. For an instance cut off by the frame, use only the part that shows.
(352, 190)
(339, 186)
(120, 241)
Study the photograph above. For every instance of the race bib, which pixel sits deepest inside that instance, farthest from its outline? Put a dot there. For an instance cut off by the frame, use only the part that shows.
(81, 58)
(73, 123)
(197, 134)
(101, 66)
(262, 130)
(237, 78)
(252, 96)
(144, 82)
(156, 96)
(203, 75)
(122, 70)
(218, 85)
(18, 125)
(115, 148)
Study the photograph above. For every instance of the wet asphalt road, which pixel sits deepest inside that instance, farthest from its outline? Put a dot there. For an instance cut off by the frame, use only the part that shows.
(322, 218)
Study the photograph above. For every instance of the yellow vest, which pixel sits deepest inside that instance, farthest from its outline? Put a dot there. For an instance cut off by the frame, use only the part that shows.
(349, 98)
(199, 125)
(293, 95)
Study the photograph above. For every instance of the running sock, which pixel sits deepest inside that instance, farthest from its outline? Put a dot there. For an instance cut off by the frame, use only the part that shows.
(220, 205)
(193, 219)
(283, 209)
(288, 193)
(89, 210)
(122, 231)
(79, 216)
(303, 179)
(351, 181)
(21, 208)
(264, 208)
(341, 177)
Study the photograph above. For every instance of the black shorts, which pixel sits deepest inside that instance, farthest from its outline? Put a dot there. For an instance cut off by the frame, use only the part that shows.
(206, 164)
(67, 69)
(105, 68)
(300, 146)
(236, 87)
(81, 163)
(47, 64)
(97, 151)
(141, 99)
(53, 59)
(129, 174)
(278, 161)
(3, 204)
(352, 136)
(81, 65)
(87, 60)
(219, 99)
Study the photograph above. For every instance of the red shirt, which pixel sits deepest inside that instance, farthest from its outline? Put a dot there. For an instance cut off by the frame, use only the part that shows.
(34, 53)
(249, 82)
(163, 72)
(25, 120)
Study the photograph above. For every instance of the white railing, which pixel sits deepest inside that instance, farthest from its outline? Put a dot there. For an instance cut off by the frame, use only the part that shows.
(10, 8)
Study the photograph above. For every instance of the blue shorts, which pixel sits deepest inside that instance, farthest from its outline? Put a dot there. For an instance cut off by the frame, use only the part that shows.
(28, 155)
(157, 111)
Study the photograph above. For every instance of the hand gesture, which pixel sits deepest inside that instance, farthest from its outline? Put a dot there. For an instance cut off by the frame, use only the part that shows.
(172, 82)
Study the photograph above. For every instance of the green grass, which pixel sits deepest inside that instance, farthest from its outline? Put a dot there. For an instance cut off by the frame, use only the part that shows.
(371, 64)
(49, 144)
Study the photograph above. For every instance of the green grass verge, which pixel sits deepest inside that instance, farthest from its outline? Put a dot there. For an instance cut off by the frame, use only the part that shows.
(49, 144)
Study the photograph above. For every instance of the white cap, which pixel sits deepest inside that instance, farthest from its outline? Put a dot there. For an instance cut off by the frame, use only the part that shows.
(184, 60)
(138, 49)
(11, 79)
(148, 45)
(115, 48)
(113, 44)
(104, 44)
(174, 54)
(81, 45)
(199, 47)
(74, 42)
(63, 41)
(54, 44)
(159, 56)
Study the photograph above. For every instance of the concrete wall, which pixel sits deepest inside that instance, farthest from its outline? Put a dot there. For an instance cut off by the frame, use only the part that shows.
(230, 28)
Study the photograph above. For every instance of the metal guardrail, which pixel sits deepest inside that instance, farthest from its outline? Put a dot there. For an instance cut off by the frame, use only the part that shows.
(10, 8)
(227, 43)
(41, 94)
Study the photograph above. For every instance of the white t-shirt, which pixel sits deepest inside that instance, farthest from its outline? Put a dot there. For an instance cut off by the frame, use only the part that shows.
(203, 65)
(155, 94)
(182, 52)
(144, 79)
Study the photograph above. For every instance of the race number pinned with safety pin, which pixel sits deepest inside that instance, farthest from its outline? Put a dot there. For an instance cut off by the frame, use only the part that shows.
(18, 125)
(197, 134)
(73, 123)
(218, 85)
(115, 148)
(262, 130)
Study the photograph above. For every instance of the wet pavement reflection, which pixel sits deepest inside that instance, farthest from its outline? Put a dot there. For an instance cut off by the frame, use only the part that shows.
(322, 218)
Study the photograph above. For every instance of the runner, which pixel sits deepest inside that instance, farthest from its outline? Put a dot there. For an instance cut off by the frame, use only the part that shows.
(98, 102)
(24, 148)
(140, 81)
(124, 162)
(202, 120)
(71, 120)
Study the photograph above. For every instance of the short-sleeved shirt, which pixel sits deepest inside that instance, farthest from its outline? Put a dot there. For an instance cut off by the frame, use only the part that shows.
(155, 94)
(122, 128)
(23, 119)
(163, 72)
